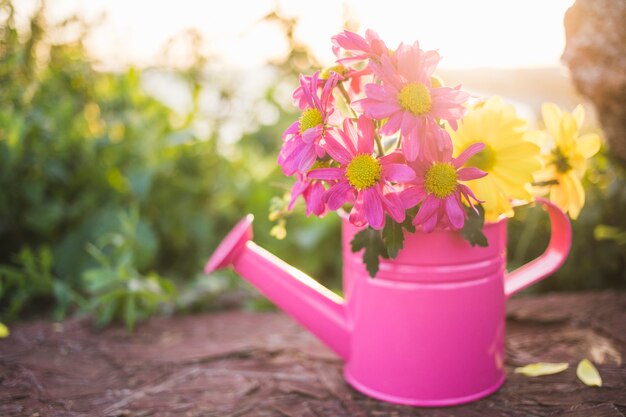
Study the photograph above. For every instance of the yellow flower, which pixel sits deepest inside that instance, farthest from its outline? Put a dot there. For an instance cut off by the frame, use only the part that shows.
(509, 159)
(565, 155)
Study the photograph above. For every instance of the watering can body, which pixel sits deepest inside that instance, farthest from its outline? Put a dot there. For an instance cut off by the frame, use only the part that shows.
(429, 329)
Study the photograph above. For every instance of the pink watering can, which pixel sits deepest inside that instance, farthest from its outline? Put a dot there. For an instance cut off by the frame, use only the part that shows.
(429, 329)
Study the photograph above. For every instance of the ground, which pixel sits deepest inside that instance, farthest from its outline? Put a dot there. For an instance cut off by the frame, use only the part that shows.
(241, 364)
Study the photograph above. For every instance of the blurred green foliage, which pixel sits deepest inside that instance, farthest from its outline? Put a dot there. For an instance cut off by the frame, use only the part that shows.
(111, 201)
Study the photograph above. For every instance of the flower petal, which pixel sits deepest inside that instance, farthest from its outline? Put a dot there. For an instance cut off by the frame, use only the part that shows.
(470, 173)
(393, 204)
(588, 145)
(412, 196)
(429, 207)
(336, 150)
(314, 199)
(470, 151)
(328, 174)
(454, 211)
(373, 208)
(365, 141)
(398, 172)
(337, 195)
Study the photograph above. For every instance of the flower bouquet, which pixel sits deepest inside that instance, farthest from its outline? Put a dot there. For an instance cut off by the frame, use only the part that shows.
(424, 177)
(383, 138)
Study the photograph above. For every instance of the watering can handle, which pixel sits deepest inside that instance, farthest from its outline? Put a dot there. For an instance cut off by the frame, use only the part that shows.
(550, 260)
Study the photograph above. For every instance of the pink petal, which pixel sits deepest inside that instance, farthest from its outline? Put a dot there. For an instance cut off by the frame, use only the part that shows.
(314, 199)
(328, 174)
(357, 214)
(398, 172)
(410, 145)
(429, 208)
(378, 92)
(392, 125)
(312, 134)
(412, 196)
(365, 141)
(373, 207)
(393, 204)
(471, 173)
(471, 150)
(395, 157)
(338, 194)
(298, 188)
(454, 211)
(430, 59)
(337, 151)
(349, 136)
(292, 130)
(382, 110)
(306, 158)
(430, 223)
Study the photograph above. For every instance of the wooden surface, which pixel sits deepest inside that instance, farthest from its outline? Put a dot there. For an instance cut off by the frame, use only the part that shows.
(263, 364)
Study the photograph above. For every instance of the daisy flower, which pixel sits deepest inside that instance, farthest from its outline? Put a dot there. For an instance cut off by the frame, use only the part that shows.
(363, 178)
(302, 139)
(439, 191)
(359, 48)
(567, 159)
(412, 103)
(508, 158)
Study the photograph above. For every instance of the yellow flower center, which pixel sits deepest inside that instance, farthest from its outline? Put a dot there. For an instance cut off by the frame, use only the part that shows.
(436, 82)
(310, 118)
(363, 171)
(484, 160)
(339, 69)
(415, 98)
(441, 180)
(561, 161)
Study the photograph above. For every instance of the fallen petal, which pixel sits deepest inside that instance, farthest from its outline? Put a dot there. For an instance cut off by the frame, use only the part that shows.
(588, 373)
(542, 368)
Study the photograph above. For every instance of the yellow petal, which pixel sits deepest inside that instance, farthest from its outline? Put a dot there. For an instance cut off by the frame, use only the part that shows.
(551, 117)
(568, 131)
(579, 115)
(575, 194)
(588, 145)
(542, 368)
(588, 374)
(4, 331)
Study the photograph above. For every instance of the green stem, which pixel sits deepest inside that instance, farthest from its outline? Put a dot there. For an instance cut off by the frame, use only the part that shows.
(346, 96)
(379, 143)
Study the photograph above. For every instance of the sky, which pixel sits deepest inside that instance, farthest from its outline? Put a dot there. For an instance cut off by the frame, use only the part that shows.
(468, 34)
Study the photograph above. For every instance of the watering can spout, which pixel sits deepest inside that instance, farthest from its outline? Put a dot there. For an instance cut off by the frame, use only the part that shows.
(311, 304)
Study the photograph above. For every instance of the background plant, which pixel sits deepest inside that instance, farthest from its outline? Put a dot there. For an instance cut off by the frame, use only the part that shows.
(84, 152)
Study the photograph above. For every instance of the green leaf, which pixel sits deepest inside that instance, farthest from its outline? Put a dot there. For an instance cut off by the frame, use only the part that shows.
(588, 374)
(542, 368)
(370, 240)
(473, 229)
(393, 237)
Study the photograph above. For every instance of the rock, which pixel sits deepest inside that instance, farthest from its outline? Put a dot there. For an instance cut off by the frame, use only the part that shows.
(595, 53)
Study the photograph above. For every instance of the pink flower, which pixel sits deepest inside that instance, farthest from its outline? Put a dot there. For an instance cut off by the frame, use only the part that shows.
(370, 47)
(438, 189)
(412, 104)
(302, 139)
(362, 178)
(312, 191)
(359, 49)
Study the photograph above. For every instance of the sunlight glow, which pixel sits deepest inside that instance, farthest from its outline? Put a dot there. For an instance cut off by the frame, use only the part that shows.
(469, 34)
